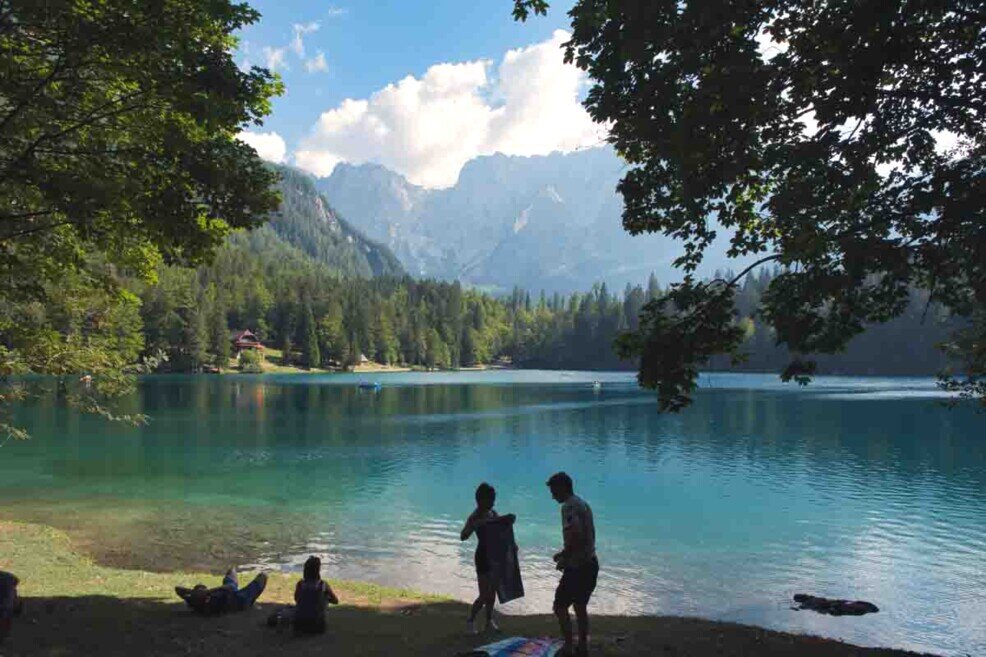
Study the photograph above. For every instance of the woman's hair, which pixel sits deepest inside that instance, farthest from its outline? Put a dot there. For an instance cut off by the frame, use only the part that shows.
(313, 567)
(485, 492)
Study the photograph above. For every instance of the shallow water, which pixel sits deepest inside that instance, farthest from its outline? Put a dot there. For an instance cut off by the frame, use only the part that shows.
(861, 488)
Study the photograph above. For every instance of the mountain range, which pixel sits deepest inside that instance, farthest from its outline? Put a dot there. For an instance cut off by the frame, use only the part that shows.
(548, 222)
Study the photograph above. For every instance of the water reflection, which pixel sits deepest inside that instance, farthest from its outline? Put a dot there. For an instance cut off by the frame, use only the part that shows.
(860, 488)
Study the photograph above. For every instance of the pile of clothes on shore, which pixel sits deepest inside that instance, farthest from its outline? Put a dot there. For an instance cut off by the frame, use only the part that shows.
(834, 607)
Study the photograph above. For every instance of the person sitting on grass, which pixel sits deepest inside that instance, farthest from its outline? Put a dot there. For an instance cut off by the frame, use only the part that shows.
(10, 604)
(311, 596)
(226, 598)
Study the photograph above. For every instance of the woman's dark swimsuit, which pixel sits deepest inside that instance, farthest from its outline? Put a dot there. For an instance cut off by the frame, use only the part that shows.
(482, 560)
(483, 566)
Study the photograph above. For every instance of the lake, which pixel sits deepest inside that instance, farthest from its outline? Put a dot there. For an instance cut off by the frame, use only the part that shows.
(863, 488)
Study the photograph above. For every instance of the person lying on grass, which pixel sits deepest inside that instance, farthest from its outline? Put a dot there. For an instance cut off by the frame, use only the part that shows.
(311, 597)
(225, 598)
(10, 604)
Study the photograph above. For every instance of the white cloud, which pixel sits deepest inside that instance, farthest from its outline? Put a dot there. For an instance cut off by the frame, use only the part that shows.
(336, 11)
(274, 58)
(245, 52)
(300, 30)
(767, 47)
(949, 143)
(316, 63)
(269, 145)
(427, 128)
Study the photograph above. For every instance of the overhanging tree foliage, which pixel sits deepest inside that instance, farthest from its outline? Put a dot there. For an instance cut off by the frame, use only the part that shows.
(117, 153)
(844, 142)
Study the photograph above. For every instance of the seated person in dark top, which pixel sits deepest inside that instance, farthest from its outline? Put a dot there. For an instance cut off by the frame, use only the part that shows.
(225, 598)
(10, 604)
(311, 596)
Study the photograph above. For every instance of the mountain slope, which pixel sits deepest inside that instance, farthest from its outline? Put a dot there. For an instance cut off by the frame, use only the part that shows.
(308, 224)
(548, 222)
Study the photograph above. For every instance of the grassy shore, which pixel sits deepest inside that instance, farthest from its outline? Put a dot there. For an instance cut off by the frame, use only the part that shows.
(77, 607)
(273, 363)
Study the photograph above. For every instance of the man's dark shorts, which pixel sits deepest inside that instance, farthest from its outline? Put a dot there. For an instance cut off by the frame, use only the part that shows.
(577, 584)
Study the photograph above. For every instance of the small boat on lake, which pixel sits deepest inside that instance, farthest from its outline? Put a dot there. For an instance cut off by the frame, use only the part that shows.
(369, 385)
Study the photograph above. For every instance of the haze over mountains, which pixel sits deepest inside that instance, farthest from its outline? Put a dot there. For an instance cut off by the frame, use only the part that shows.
(541, 223)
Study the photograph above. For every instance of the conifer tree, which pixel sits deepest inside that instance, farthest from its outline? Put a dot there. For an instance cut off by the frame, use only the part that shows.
(310, 355)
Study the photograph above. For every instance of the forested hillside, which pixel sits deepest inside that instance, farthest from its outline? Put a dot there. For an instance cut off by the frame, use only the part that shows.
(578, 331)
(306, 221)
(310, 285)
(321, 319)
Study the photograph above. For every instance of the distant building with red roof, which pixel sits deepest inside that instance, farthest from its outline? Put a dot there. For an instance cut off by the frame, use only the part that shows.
(244, 340)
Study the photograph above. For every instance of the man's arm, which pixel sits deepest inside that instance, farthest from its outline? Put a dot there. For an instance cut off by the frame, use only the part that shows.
(572, 535)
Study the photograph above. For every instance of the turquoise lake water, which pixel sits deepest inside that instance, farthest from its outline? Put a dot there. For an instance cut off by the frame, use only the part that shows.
(863, 488)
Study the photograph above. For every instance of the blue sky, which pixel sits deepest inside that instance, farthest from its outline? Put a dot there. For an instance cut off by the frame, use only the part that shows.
(466, 95)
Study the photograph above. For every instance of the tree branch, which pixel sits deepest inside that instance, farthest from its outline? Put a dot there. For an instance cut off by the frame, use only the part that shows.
(35, 229)
(701, 307)
(27, 215)
(761, 261)
(82, 153)
(45, 81)
(736, 279)
(89, 120)
(854, 130)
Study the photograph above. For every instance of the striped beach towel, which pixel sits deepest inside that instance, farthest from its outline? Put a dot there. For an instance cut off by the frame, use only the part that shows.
(517, 647)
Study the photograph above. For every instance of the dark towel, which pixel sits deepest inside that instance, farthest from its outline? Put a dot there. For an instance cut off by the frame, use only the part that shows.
(501, 550)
